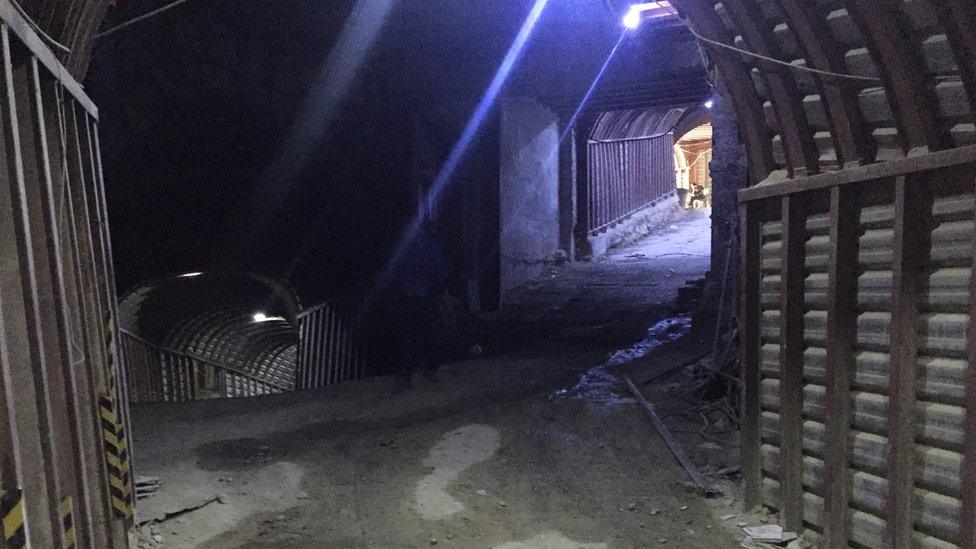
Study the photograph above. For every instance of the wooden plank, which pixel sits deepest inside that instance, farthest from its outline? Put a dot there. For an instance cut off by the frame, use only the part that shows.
(749, 335)
(908, 258)
(883, 170)
(841, 333)
(791, 364)
(703, 484)
(851, 136)
(802, 156)
(967, 515)
(889, 37)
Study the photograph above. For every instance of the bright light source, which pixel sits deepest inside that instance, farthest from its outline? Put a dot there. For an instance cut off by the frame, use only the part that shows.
(190, 275)
(261, 317)
(650, 10)
(633, 18)
(709, 103)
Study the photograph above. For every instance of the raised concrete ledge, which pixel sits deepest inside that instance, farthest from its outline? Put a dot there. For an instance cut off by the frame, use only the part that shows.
(632, 227)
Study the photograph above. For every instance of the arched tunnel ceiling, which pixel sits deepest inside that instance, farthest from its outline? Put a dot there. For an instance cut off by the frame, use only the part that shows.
(920, 53)
(212, 316)
(644, 123)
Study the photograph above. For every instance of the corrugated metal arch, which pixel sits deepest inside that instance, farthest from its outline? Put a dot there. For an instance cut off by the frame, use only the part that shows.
(921, 52)
(644, 123)
(211, 316)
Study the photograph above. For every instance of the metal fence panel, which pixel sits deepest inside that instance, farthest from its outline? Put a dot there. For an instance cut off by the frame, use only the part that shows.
(61, 377)
(627, 175)
(328, 352)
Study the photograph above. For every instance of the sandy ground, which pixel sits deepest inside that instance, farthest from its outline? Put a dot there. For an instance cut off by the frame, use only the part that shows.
(532, 445)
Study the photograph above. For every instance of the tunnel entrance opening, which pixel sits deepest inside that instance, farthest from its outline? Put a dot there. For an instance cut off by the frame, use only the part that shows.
(202, 336)
(692, 157)
(642, 166)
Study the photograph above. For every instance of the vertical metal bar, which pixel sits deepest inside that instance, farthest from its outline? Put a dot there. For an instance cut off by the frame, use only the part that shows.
(908, 258)
(841, 332)
(791, 364)
(967, 516)
(750, 294)
(332, 337)
(302, 372)
(89, 294)
(26, 331)
(71, 427)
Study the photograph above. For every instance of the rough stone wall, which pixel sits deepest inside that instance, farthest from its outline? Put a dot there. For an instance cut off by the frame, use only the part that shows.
(528, 191)
(728, 171)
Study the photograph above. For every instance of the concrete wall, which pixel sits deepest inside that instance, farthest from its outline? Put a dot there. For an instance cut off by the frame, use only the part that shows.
(528, 191)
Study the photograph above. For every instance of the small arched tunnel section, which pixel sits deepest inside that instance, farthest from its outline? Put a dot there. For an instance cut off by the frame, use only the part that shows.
(209, 335)
(632, 177)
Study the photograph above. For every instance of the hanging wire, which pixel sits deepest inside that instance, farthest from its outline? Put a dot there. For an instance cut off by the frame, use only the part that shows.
(768, 59)
(37, 28)
(142, 17)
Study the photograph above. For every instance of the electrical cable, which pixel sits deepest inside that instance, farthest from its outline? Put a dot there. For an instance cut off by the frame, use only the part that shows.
(37, 28)
(783, 63)
(142, 17)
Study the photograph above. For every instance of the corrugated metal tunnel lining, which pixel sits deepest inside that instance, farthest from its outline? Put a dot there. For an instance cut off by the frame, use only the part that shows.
(232, 334)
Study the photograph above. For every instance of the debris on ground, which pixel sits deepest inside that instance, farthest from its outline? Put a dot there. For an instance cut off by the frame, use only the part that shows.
(147, 486)
(771, 536)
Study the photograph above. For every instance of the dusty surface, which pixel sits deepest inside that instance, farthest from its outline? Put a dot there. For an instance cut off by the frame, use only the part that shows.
(510, 450)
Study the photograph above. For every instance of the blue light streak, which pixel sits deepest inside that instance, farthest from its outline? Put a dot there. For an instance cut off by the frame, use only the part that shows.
(463, 143)
(589, 92)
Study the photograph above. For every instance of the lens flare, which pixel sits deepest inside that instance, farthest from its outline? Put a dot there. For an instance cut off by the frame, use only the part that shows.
(463, 143)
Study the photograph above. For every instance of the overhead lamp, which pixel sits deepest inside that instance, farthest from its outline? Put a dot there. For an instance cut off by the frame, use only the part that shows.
(636, 13)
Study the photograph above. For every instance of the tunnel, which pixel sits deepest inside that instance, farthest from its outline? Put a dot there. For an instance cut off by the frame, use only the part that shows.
(209, 335)
(801, 343)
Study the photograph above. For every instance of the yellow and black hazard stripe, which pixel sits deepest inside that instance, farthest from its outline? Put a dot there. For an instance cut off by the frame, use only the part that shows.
(110, 352)
(117, 459)
(113, 434)
(12, 514)
(66, 511)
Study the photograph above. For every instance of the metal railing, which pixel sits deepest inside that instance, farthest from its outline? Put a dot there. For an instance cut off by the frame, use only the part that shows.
(627, 175)
(65, 461)
(158, 374)
(328, 352)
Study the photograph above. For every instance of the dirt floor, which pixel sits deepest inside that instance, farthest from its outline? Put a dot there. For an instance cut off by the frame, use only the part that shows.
(534, 444)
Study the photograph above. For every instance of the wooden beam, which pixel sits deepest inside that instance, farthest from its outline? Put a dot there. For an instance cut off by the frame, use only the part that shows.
(750, 274)
(842, 311)
(848, 130)
(912, 211)
(791, 349)
(895, 51)
(883, 170)
(802, 155)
